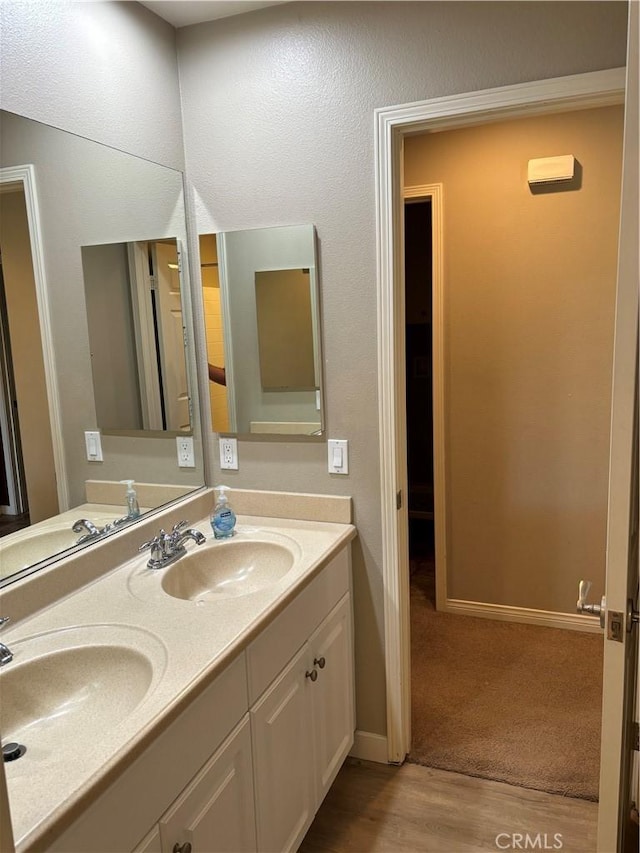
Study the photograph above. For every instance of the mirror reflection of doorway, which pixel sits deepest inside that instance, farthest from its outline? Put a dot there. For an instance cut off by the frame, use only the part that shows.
(14, 508)
(133, 300)
(27, 448)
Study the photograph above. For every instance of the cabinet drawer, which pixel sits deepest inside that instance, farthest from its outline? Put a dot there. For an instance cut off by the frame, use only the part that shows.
(269, 653)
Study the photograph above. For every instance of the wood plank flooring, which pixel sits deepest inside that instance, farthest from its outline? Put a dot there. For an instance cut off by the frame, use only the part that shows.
(379, 808)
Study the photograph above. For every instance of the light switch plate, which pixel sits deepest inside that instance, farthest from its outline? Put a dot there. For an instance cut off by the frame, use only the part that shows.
(94, 445)
(229, 453)
(338, 450)
(186, 457)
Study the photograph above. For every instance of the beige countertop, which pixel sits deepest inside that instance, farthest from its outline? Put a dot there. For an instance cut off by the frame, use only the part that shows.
(187, 643)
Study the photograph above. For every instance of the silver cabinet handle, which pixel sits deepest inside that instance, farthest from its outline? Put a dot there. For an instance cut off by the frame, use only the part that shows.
(321, 662)
(313, 675)
(182, 848)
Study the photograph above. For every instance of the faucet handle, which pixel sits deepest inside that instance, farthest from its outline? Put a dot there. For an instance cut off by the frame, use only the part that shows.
(179, 526)
(4, 620)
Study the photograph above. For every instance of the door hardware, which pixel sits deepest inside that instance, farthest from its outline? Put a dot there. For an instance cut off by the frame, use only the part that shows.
(615, 625)
(593, 609)
(632, 615)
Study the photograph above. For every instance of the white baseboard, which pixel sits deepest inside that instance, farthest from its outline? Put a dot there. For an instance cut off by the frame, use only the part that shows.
(505, 613)
(370, 747)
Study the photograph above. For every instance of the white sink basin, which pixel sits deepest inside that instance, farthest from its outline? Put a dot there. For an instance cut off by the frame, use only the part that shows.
(227, 570)
(65, 688)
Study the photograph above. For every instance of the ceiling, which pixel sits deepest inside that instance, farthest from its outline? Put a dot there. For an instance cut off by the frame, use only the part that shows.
(181, 13)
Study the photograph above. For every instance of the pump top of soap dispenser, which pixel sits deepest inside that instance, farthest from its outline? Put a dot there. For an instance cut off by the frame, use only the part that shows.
(133, 508)
(222, 494)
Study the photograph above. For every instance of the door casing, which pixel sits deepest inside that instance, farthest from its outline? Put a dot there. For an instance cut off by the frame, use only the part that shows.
(581, 91)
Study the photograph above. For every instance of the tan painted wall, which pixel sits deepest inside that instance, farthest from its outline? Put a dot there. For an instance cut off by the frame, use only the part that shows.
(529, 309)
(285, 335)
(28, 365)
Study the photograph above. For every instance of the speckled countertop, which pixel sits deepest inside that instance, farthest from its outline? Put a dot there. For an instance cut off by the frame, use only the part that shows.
(173, 647)
(46, 538)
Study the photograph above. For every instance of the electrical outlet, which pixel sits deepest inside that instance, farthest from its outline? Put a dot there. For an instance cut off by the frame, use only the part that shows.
(229, 453)
(186, 457)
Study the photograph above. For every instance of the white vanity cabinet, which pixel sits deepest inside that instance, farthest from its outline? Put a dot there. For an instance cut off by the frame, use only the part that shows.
(215, 812)
(302, 724)
(247, 763)
(302, 730)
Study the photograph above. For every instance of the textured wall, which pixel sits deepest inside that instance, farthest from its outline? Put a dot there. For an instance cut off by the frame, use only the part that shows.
(529, 296)
(107, 71)
(278, 119)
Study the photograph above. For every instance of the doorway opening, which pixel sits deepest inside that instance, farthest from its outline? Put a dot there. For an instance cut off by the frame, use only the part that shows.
(526, 436)
(418, 274)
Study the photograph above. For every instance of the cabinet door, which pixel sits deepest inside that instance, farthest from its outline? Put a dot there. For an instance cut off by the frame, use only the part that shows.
(215, 813)
(282, 754)
(331, 655)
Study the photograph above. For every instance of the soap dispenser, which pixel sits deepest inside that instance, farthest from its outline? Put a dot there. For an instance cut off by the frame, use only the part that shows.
(133, 508)
(223, 518)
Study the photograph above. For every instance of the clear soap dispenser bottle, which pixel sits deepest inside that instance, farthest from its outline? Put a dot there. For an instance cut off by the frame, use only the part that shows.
(133, 508)
(223, 518)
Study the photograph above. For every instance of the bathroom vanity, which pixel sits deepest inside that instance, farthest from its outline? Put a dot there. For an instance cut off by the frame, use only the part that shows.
(205, 706)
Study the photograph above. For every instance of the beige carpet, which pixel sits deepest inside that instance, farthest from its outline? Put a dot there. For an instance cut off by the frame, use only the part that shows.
(499, 700)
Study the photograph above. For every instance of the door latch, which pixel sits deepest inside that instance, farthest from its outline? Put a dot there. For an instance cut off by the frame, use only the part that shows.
(615, 625)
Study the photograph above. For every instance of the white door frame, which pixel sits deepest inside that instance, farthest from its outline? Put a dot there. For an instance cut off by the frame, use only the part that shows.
(599, 88)
(27, 177)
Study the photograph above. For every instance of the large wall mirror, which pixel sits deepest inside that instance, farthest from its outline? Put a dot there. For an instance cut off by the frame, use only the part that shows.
(261, 306)
(95, 336)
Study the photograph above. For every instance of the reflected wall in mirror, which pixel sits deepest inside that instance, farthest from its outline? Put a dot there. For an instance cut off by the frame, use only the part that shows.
(136, 335)
(261, 306)
(59, 193)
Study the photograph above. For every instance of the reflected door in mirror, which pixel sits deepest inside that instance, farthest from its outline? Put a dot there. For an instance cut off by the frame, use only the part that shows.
(134, 313)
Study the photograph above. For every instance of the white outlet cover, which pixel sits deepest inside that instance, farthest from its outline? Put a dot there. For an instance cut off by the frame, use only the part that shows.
(186, 456)
(229, 453)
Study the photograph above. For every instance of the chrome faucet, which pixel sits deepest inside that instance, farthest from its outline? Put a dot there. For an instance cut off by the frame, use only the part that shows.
(91, 531)
(166, 548)
(6, 655)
